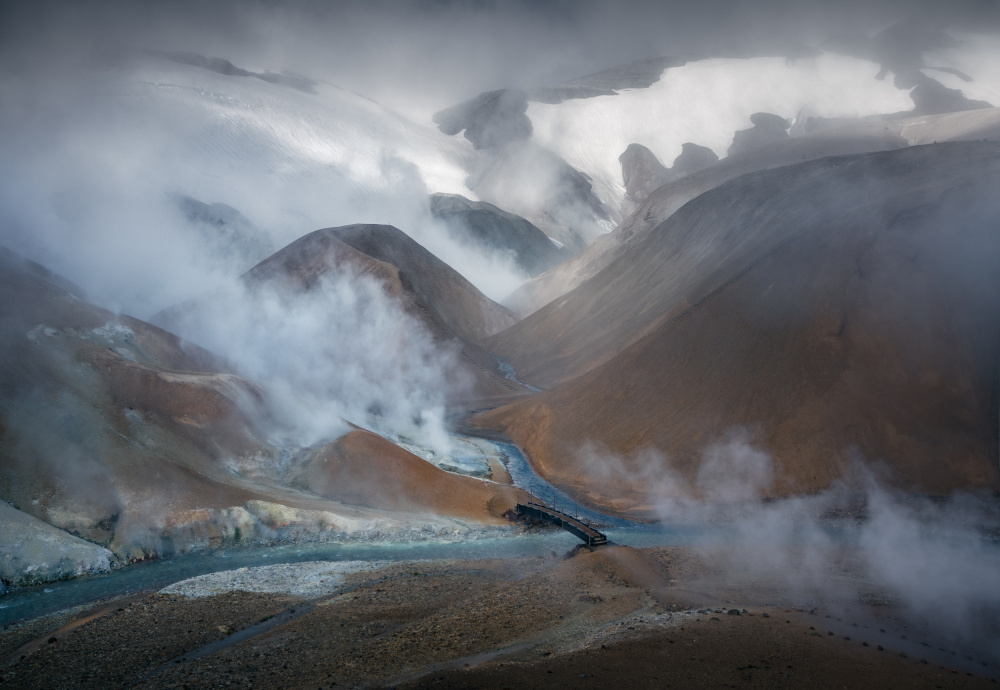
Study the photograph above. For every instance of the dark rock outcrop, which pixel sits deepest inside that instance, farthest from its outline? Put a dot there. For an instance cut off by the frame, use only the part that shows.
(642, 173)
(693, 158)
(931, 97)
(638, 74)
(537, 184)
(490, 120)
(488, 226)
(900, 49)
(225, 67)
(767, 129)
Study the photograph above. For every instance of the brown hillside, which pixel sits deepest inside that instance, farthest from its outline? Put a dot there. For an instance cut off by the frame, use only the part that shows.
(713, 237)
(117, 431)
(364, 469)
(843, 304)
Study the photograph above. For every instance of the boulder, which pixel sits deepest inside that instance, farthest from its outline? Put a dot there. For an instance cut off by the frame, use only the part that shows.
(767, 129)
(693, 158)
(490, 120)
(642, 173)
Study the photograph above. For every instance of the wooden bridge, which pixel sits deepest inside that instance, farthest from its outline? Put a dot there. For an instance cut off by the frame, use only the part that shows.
(579, 528)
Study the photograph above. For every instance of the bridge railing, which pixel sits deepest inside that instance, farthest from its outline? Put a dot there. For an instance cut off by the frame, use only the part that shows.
(598, 525)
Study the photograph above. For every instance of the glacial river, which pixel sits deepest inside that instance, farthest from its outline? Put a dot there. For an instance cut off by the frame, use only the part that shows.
(42, 599)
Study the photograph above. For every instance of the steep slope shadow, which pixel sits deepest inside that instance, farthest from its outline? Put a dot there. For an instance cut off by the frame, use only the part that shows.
(838, 139)
(847, 303)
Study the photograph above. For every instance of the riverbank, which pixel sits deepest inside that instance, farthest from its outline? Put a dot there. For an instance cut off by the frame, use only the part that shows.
(646, 617)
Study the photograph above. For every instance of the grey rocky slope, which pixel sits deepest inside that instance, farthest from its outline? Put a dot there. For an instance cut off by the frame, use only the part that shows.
(841, 311)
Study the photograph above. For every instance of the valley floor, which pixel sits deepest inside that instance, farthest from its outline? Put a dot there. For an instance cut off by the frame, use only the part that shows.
(610, 618)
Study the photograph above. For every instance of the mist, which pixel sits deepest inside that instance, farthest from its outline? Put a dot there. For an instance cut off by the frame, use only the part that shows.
(857, 546)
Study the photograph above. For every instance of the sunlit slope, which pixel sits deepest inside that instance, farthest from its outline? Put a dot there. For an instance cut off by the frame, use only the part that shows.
(361, 468)
(705, 102)
(838, 307)
(836, 139)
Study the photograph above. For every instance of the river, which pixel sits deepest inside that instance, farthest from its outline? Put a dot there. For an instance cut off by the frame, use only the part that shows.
(39, 600)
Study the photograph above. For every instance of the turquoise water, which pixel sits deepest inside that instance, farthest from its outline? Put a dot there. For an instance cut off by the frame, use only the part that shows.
(42, 599)
(35, 601)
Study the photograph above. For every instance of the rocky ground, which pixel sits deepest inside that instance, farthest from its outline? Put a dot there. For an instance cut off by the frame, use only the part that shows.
(616, 616)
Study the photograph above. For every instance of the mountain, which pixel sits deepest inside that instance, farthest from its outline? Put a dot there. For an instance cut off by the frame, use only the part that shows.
(452, 299)
(815, 138)
(834, 308)
(442, 303)
(95, 406)
(704, 101)
(229, 235)
(493, 229)
(120, 441)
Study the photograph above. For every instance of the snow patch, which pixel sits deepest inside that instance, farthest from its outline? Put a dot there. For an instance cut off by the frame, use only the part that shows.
(300, 579)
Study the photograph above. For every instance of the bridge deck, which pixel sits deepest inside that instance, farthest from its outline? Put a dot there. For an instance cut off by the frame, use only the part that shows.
(578, 528)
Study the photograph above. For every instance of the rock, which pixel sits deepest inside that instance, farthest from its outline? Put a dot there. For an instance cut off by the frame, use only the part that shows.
(484, 224)
(642, 173)
(32, 551)
(227, 232)
(536, 184)
(931, 97)
(900, 50)
(733, 612)
(490, 120)
(693, 158)
(767, 129)
(225, 67)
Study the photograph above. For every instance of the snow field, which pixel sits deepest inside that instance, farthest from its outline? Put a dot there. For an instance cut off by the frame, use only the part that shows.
(706, 102)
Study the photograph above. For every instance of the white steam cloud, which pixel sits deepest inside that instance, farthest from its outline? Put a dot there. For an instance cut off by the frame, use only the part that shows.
(345, 351)
(936, 559)
(95, 156)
